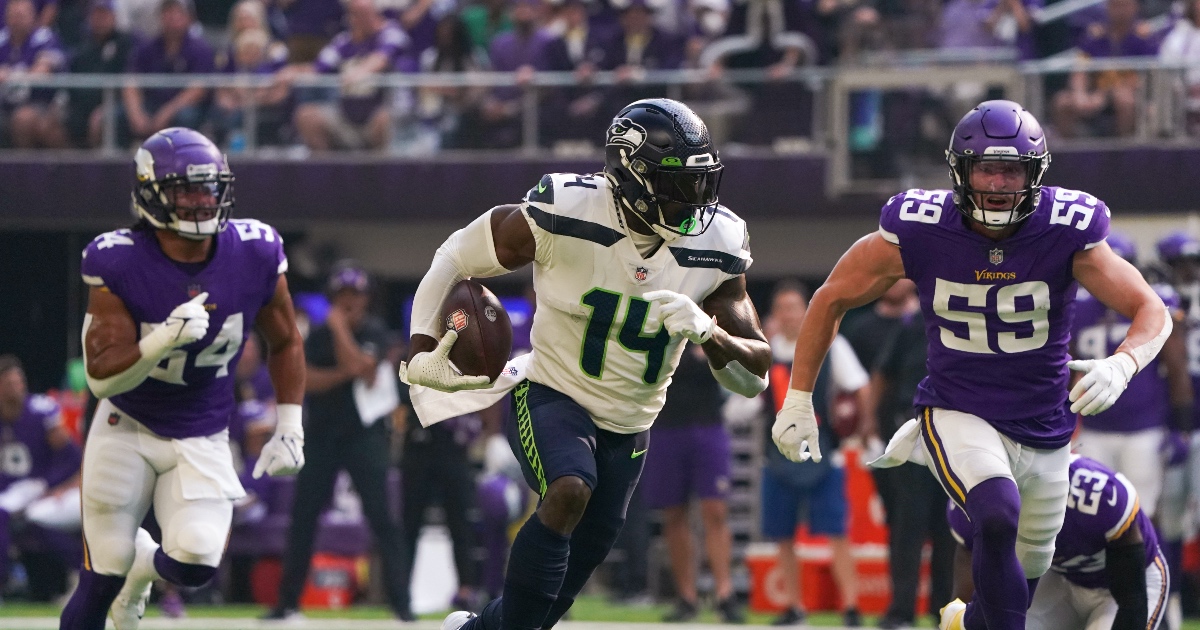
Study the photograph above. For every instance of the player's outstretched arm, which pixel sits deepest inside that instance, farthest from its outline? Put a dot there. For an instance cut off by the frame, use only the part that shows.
(1125, 562)
(115, 360)
(863, 274)
(497, 242)
(1118, 285)
(283, 454)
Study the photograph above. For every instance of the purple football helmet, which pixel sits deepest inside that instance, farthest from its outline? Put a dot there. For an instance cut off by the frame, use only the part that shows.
(1123, 246)
(998, 131)
(1177, 246)
(175, 161)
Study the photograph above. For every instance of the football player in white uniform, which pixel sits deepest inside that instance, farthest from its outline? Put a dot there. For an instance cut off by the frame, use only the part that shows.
(628, 264)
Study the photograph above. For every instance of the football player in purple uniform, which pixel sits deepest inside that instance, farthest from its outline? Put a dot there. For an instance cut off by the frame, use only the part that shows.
(996, 261)
(165, 377)
(1108, 571)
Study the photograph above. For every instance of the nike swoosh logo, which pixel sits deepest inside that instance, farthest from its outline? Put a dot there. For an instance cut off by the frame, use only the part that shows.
(541, 187)
(1114, 499)
(637, 454)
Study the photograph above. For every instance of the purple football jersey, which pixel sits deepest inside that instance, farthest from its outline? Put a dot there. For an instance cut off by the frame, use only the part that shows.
(1101, 507)
(1097, 332)
(997, 313)
(191, 392)
(24, 451)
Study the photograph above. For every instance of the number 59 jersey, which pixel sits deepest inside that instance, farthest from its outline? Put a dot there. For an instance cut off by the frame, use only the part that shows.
(190, 393)
(594, 338)
(997, 313)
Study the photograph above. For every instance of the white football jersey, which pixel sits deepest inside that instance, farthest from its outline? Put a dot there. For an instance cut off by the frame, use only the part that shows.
(594, 338)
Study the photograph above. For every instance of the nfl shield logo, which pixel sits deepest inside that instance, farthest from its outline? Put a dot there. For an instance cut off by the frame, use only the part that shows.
(640, 273)
(193, 290)
(457, 320)
(113, 419)
(996, 256)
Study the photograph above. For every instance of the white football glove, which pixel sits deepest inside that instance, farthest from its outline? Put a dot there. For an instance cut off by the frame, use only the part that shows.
(433, 369)
(283, 454)
(187, 323)
(1102, 382)
(795, 428)
(682, 316)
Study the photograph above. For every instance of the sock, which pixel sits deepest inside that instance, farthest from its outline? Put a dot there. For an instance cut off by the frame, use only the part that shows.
(1032, 583)
(590, 544)
(536, 568)
(88, 607)
(489, 617)
(1001, 592)
(181, 573)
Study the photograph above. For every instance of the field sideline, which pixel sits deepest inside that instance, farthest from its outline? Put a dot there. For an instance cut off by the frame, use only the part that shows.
(589, 613)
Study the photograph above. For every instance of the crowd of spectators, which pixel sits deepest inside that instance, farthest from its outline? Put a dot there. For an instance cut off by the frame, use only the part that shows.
(356, 39)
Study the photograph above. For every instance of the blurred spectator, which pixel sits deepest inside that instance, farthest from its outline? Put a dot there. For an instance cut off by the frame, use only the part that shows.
(439, 110)
(105, 50)
(436, 470)
(39, 474)
(989, 24)
(504, 503)
(1106, 101)
(526, 49)
(311, 24)
(346, 372)
(819, 487)
(253, 53)
(177, 50)
(370, 46)
(485, 20)
(692, 461)
(28, 49)
(45, 12)
(641, 46)
(249, 15)
(917, 511)
(589, 48)
(140, 17)
(1182, 46)
(420, 19)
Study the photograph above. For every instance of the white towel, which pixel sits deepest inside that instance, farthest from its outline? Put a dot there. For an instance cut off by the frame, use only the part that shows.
(905, 446)
(433, 406)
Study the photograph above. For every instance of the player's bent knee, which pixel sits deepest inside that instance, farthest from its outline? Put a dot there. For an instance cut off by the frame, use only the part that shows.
(566, 499)
(1035, 559)
(184, 573)
(198, 544)
(110, 555)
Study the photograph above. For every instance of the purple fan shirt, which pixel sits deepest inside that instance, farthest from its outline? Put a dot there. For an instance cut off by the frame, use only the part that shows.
(42, 43)
(1097, 332)
(1101, 507)
(997, 313)
(25, 452)
(195, 56)
(391, 40)
(191, 393)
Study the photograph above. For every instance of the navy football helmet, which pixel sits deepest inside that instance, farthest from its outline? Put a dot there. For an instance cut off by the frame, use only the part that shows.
(663, 167)
(1004, 132)
(179, 161)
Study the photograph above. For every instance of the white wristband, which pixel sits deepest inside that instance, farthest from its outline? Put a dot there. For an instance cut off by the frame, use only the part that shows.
(290, 418)
(737, 379)
(1145, 353)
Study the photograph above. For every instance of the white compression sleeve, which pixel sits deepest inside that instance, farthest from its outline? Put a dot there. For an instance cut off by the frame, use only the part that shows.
(468, 253)
(1145, 353)
(153, 346)
(737, 379)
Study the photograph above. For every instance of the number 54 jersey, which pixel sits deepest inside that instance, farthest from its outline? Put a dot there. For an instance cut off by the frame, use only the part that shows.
(190, 393)
(594, 338)
(997, 313)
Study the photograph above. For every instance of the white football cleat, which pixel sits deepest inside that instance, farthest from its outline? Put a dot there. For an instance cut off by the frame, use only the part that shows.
(129, 606)
(952, 615)
(457, 619)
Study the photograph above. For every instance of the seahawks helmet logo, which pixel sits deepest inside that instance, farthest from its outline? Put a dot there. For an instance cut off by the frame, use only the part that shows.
(626, 133)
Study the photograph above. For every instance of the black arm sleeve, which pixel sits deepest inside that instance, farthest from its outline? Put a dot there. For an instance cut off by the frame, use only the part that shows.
(1126, 566)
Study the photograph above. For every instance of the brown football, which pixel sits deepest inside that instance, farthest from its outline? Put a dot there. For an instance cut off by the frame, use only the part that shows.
(484, 332)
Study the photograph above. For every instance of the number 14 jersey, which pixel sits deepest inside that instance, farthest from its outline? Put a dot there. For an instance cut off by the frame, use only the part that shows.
(997, 313)
(594, 338)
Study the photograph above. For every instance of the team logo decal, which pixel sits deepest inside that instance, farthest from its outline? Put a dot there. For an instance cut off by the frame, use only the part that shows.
(626, 133)
(996, 256)
(457, 320)
(489, 313)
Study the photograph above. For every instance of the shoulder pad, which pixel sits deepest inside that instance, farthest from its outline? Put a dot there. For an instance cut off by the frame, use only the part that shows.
(102, 255)
(1080, 214)
(263, 239)
(725, 245)
(911, 209)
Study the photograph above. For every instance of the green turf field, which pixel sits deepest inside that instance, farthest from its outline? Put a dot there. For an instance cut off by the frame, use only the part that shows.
(589, 613)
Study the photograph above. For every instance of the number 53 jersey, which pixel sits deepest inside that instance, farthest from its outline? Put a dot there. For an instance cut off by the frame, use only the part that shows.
(190, 393)
(594, 338)
(997, 313)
